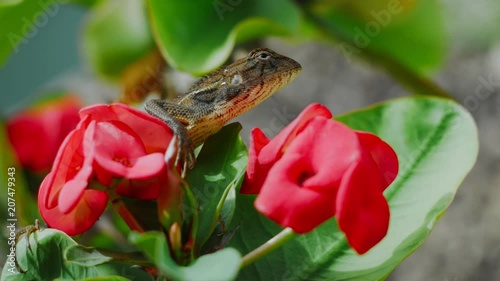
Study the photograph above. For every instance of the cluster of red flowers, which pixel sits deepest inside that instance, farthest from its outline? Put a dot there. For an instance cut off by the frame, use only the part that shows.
(315, 169)
(112, 146)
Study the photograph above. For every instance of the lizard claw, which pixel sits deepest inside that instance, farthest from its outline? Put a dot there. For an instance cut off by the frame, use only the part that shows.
(186, 158)
(182, 149)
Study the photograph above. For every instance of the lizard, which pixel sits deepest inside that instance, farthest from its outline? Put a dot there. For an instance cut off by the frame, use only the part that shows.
(221, 96)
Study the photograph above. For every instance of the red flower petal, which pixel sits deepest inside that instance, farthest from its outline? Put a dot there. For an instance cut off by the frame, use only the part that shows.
(116, 146)
(69, 160)
(62, 200)
(147, 166)
(284, 201)
(154, 133)
(73, 189)
(264, 153)
(383, 155)
(301, 188)
(256, 173)
(272, 152)
(78, 220)
(331, 146)
(119, 150)
(362, 211)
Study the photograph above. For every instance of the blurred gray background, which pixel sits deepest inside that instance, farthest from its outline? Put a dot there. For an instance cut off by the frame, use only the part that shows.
(465, 245)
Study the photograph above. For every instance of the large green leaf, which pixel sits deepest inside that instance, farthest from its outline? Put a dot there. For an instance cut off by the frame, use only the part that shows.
(116, 35)
(219, 169)
(436, 142)
(197, 36)
(410, 32)
(222, 265)
(46, 260)
(85, 3)
(9, 2)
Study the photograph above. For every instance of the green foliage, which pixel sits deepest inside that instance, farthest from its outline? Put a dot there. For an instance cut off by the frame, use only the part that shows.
(5, 3)
(426, 133)
(85, 256)
(220, 266)
(54, 255)
(117, 34)
(106, 278)
(85, 3)
(20, 21)
(198, 36)
(411, 34)
(218, 171)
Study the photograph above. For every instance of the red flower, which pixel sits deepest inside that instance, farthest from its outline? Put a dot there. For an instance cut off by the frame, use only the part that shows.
(69, 178)
(317, 168)
(112, 145)
(128, 144)
(47, 123)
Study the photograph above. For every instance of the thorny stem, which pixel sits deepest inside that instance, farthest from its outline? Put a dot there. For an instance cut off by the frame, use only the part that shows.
(281, 238)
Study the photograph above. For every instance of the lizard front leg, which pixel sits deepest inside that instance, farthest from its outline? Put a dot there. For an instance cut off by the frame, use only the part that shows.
(166, 110)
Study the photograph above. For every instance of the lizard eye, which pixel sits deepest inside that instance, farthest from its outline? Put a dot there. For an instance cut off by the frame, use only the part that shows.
(237, 79)
(264, 55)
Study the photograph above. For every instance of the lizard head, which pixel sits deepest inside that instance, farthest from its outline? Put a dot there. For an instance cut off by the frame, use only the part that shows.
(263, 64)
(249, 81)
(242, 85)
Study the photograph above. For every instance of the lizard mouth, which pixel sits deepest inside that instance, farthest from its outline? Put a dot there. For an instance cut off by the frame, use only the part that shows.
(291, 70)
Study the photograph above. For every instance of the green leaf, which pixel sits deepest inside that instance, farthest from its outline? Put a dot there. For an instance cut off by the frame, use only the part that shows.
(219, 266)
(85, 3)
(106, 278)
(46, 261)
(436, 142)
(411, 33)
(9, 2)
(219, 169)
(198, 36)
(84, 256)
(20, 22)
(116, 35)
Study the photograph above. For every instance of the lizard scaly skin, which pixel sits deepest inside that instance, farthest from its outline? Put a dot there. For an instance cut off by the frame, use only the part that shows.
(221, 96)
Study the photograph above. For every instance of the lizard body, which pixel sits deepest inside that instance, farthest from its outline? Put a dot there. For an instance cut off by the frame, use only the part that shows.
(221, 96)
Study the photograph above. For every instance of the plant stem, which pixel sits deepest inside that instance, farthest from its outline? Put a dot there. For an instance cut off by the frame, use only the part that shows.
(121, 209)
(193, 204)
(271, 245)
